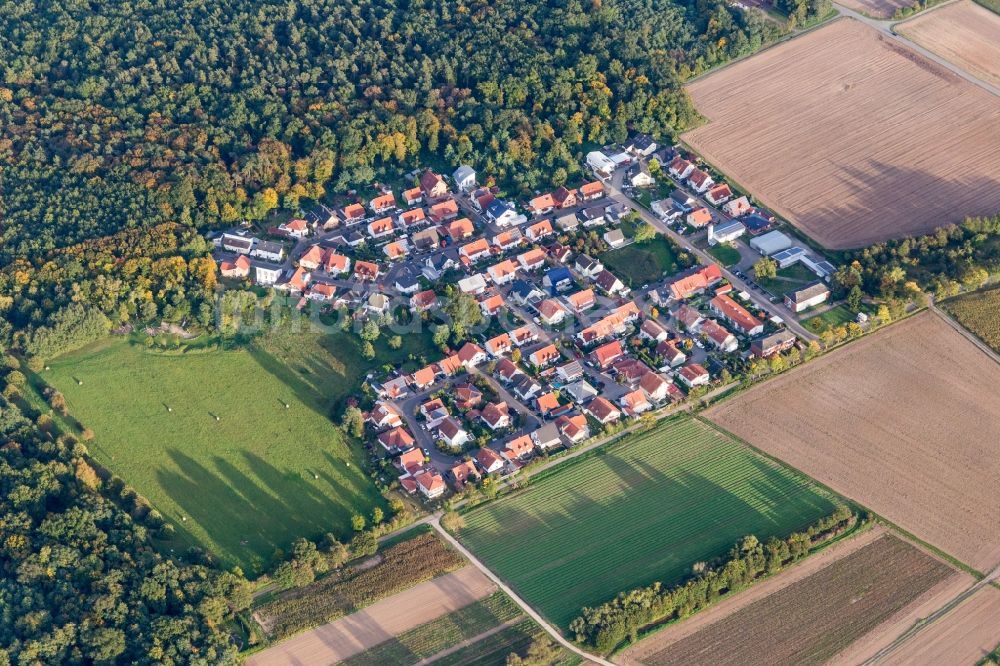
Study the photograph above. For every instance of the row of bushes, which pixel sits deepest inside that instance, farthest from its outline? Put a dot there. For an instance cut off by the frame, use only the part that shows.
(606, 626)
(402, 565)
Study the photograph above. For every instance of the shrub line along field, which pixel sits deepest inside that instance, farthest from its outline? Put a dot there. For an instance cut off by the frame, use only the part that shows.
(904, 421)
(241, 485)
(848, 131)
(643, 510)
(963, 33)
(809, 616)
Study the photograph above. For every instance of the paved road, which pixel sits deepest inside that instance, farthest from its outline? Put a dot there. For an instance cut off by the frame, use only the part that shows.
(778, 309)
(520, 602)
(887, 28)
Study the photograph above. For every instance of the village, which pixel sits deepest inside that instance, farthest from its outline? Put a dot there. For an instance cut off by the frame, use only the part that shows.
(568, 350)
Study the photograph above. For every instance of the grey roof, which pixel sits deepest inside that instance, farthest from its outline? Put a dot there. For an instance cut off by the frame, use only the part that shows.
(463, 172)
(580, 391)
(547, 434)
(809, 291)
(782, 336)
(270, 247)
(728, 226)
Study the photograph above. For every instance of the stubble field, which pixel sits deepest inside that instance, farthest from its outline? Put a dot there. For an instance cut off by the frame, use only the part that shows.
(852, 137)
(962, 33)
(810, 613)
(904, 421)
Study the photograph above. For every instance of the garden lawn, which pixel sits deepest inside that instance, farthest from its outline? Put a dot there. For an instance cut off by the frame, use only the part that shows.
(728, 255)
(835, 316)
(787, 279)
(640, 263)
(644, 510)
(242, 485)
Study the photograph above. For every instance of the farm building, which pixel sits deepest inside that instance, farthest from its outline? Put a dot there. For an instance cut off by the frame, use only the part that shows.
(770, 243)
(807, 297)
(725, 232)
(790, 256)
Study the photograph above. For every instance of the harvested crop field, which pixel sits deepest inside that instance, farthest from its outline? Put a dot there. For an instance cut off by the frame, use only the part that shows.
(964, 636)
(883, 9)
(810, 613)
(904, 421)
(639, 511)
(844, 132)
(964, 34)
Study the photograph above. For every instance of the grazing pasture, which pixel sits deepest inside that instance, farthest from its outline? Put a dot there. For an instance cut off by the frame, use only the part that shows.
(980, 313)
(643, 510)
(848, 131)
(964, 34)
(903, 421)
(811, 612)
(207, 438)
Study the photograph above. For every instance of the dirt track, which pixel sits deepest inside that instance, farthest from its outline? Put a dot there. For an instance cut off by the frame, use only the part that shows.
(845, 132)
(964, 33)
(379, 622)
(905, 421)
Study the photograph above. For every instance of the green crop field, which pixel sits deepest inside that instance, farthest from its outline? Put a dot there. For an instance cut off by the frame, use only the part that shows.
(240, 486)
(644, 510)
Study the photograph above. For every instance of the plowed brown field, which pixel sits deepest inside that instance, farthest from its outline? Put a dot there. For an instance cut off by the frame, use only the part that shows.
(812, 619)
(906, 421)
(852, 137)
(963, 33)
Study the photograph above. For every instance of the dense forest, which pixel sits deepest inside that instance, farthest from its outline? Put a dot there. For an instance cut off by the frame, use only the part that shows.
(116, 115)
(79, 581)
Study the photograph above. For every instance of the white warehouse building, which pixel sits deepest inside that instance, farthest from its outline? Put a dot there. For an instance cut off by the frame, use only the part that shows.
(770, 243)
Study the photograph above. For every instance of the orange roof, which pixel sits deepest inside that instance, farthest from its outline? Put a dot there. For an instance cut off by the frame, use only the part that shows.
(431, 481)
(463, 471)
(532, 257)
(505, 238)
(366, 269)
(503, 269)
(548, 402)
(693, 371)
(550, 308)
(540, 229)
(476, 247)
(492, 303)
(447, 207)
(424, 376)
(521, 334)
(542, 202)
(461, 228)
(424, 299)
(699, 217)
(296, 225)
(327, 290)
(720, 191)
(590, 189)
(450, 364)
(520, 446)
(413, 194)
(299, 279)
(582, 299)
(735, 312)
(383, 201)
(413, 457)
(601, 408)
(494, 412)
(651, 382)
(470, 350)
(698, 281)
(398, 438)
(335, 262)
(395, 249)
(698, 177)
(571, 426)
(431, 405)
(412, 216)
(381, 225)
(354, 210)
(679, 164)
(498, 343)
(545, 355)
(607, 353)
(636, 398)
(314, 256)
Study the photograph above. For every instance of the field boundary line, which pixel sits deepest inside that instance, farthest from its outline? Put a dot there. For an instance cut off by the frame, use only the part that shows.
(966, 333)
(531, 612)
(472, 640)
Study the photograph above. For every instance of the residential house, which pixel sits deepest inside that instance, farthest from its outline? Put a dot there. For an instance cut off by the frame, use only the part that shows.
(503, 272)
(352, 213)
(518, 448)
(546, 436)
(235, 269)
(689, 317)
(476, 250)
(439, 263)
(737, 315)
(718, 336)
(605, 355)
(266, 274)
(635, 402)
(608, 283)
(382, 203)
(396, 249)
(737, 207)
(524, 387)
(641, 177)
(696, 282)
(433, 185)
(591, 191)
(602, 165)
(587, 266)
(693, 375)
(474, 284)
(629, 370)
(523, 292)
(430, 484)
(502, 214)
(522, 335)
(237, 243)
(496, 415)
(561, 253)
(423, 300)
(499, 345)
(452, 433)
(532, 260)
(539, 230)
(297, 228)
(482, 198)
(312, 258)
(296, 282)
(614, 213)
(377, 304)
(558, 279)
(491, 303)
(413, 196)
(615, 238)
(671, 355)
(460, 229)
(641, 145)
(594, 216)
(434, 411)
(653, 330)
(656, 386)
(426, 240)
(699, 217)
(700, 181)
(683, 201)
(508, 240)
(615, 323)
(551, 312)
(412, 218)
(411, 461)
(506, 370)
(547, 402)
(336, 264)
(725, 232)
(423, 377)
(580, 391)
(772, 344)
(366, 271)
(570, 372)
(542, 205)
(574, 428)
(680, 168)
(467, 396)
(718, 194)
(665, 209)
(465, 178)
(269, 251)
(603, 411)
(444, 210)
(384, 415)
(567, 222)
(544, 356)
(582, 301)
(449, 365)
(806, 297)
(461, 473)
(320, 291)
(471, 355)
(489, 460)
(398, 439)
